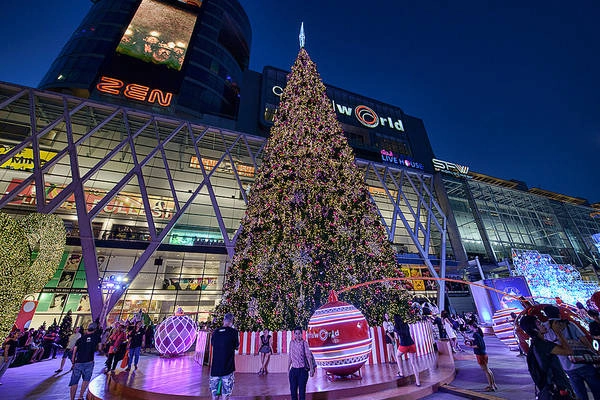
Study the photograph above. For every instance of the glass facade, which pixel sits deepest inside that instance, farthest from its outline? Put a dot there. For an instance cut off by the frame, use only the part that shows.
(154, 203)
(493, 219)
(220, 53)
(78, 65)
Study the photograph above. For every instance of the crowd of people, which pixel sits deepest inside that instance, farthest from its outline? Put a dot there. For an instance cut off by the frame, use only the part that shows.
(556, 346)
(123, 342)
(34, 345)
(561, 359)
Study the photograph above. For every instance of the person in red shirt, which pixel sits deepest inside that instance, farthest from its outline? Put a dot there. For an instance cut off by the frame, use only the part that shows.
(117, 349)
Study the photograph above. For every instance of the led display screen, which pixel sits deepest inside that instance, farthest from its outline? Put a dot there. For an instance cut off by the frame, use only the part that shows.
(510, 289)
(159, 33)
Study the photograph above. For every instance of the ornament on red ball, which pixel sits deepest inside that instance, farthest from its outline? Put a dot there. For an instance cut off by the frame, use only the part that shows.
(175, 335)
(339, 337)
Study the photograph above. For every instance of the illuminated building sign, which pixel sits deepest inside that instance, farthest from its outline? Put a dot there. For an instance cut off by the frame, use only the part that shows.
(389, 158)
(380, 192)
(450, 168)
(122, 204)
(159, 33)
(209, 164)
(23, 160)
(134, 91)
(363, 114)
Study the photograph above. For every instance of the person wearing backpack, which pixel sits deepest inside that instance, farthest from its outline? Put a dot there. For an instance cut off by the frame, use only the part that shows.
(542, 361)
(579, 373)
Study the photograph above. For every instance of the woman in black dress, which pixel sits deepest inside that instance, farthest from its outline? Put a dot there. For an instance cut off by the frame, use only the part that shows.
(265, 350)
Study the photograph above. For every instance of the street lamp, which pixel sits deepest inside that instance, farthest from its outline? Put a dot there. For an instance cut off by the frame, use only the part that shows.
(109, 285)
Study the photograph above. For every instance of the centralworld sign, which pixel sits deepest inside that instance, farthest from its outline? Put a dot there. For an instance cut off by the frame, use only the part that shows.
(363, 114)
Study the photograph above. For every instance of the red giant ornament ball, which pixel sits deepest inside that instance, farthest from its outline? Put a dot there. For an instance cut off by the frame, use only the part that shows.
(338, 335)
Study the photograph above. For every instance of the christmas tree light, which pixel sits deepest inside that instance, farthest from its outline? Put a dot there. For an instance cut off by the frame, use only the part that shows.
(310, 225)
(30, 252)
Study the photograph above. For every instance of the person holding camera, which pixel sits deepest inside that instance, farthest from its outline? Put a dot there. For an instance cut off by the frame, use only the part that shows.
(579, 374)
(542, 357)
(479, 349)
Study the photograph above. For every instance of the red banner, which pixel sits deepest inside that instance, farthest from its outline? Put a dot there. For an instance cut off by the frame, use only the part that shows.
(26, 314)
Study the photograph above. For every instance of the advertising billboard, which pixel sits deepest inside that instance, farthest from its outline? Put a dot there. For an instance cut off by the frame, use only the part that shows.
(23, 160)
(124, 203)
(159, 33)
(372, 127)
(509, 288)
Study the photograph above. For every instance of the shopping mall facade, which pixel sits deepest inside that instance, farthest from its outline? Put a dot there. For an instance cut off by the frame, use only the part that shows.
(150, 171)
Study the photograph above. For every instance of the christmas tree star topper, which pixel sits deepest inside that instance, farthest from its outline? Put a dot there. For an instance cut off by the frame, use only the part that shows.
(302, 37)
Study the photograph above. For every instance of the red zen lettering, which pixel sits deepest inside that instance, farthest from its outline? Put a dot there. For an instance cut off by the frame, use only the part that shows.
(110, 85)
(158, 96)
(134, 91)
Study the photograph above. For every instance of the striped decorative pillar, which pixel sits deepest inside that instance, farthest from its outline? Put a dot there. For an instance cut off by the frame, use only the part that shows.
(421, 332)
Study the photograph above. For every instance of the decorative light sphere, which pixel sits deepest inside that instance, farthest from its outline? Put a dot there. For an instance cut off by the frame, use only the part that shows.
(339, 337)
(175, 335)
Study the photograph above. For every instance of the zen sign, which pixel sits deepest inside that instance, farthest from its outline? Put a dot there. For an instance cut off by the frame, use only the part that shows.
(133, 91)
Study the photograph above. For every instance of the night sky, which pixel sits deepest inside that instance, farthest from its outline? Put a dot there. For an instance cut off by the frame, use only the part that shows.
(509, 88)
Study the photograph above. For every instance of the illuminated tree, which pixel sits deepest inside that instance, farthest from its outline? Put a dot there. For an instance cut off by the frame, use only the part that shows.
(310, 225)
(30, 252)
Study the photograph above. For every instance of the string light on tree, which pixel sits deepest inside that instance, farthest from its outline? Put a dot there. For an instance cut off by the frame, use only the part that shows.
(310, 224)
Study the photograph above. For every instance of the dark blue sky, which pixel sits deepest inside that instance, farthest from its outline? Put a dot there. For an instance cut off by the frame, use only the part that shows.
(509, 88)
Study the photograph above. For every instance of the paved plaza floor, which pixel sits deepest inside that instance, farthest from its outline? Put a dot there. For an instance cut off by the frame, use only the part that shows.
(38, 381)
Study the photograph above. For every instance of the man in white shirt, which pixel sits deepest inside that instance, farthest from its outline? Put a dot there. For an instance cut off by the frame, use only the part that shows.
(69, 349)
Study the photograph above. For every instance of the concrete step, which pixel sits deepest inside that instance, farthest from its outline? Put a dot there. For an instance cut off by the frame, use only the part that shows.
(468, 394)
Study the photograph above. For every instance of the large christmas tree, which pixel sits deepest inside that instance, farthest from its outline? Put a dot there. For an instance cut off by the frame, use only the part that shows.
(310, 225)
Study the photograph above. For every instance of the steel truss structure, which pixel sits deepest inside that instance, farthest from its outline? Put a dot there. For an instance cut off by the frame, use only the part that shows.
(105, 163)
